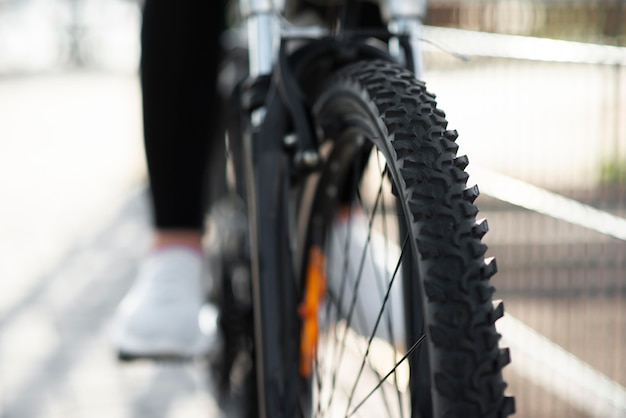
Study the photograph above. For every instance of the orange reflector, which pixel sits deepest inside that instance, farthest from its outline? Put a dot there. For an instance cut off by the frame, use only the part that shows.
(315, 288)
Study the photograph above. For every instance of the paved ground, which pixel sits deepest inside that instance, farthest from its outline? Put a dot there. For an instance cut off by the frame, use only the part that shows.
(74, 223)
(55, 357)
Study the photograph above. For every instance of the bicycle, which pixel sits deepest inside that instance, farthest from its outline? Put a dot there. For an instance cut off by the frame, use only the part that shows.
(348, 190)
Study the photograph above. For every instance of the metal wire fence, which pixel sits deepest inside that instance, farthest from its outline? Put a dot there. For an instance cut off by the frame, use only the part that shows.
(541, 109)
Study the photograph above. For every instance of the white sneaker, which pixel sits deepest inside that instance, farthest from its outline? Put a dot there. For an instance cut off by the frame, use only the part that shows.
(159, 317)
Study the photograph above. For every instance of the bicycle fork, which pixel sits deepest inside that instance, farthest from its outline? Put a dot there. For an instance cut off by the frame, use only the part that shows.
(404, 19)
(265, 173)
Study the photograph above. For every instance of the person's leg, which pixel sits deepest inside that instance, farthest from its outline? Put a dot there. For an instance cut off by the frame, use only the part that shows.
(159, 316)
(178, 72)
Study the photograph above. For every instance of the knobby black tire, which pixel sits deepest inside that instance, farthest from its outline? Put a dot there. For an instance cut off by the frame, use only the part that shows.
(400, 118)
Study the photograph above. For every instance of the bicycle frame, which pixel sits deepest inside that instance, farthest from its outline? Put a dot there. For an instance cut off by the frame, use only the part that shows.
(269, 168)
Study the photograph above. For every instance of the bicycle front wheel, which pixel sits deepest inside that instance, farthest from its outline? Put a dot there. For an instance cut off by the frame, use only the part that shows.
(397, 312)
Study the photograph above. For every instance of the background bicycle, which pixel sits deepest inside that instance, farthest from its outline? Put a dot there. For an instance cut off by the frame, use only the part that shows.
(546, 265)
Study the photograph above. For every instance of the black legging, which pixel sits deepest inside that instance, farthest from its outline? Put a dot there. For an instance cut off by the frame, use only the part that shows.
(179, 59)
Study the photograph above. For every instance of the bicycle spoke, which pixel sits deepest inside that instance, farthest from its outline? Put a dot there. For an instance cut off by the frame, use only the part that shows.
(360, 314)
(380, 383)
(355, 292)
(344, 275)
(371, 338)
(387, 279)
(318, 382)
(335, 303)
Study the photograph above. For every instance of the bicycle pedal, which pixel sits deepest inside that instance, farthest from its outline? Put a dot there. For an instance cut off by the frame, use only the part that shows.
(125, 357)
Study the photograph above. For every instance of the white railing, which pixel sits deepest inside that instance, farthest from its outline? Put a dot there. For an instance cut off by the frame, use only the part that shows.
(483, 44)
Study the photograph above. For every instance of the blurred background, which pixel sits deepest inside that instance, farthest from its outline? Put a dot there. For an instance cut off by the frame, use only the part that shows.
(541, 111)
